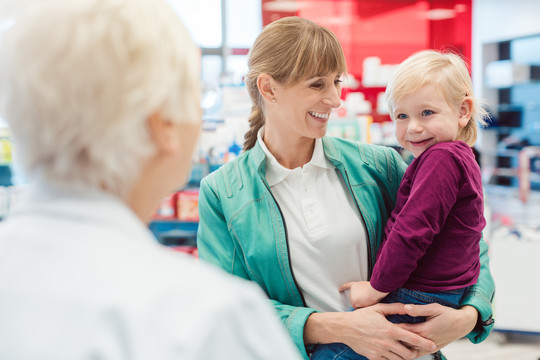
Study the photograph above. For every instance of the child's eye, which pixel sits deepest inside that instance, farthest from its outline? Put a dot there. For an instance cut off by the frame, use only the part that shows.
(337, 82)
(317, 85)
(401, 116)
(427, 112)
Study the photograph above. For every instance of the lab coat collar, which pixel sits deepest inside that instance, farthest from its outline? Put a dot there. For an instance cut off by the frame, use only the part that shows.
(78, 204)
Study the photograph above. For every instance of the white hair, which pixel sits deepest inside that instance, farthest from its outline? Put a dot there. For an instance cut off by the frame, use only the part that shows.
(79, 79)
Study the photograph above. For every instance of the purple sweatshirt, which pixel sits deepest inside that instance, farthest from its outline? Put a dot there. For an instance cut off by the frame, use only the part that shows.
(432, 237)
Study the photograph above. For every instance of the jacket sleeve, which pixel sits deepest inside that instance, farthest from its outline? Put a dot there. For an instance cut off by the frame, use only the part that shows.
(214, 242)
(480, 296)
(294, 319)
(216, 245)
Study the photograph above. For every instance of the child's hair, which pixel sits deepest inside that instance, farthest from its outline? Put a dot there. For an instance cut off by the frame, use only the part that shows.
(449, 73)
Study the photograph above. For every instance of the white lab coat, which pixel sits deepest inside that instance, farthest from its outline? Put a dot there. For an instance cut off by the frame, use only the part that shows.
(82, 278)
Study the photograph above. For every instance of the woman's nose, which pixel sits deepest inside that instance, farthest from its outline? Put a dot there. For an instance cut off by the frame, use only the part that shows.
(333, 98)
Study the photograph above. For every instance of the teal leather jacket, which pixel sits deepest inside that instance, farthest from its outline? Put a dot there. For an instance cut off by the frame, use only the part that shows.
(242, 229)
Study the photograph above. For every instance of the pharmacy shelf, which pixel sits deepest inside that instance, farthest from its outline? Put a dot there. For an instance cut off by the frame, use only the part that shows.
(174, 232)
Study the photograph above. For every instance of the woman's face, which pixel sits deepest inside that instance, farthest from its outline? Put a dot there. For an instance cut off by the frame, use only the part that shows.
(303, 109)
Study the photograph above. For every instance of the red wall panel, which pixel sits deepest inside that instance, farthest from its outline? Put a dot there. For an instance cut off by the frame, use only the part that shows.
(389, 29)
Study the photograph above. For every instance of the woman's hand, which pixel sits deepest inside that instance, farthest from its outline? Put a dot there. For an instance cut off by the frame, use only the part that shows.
(443, 325)
(367, 332)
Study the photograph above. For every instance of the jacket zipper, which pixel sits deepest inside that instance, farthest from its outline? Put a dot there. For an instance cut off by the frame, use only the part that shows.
(370, 261)
(286, 243)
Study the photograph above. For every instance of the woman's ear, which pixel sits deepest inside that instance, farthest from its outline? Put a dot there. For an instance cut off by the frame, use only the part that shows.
(163, 133)
(266, 85)
(465, 112)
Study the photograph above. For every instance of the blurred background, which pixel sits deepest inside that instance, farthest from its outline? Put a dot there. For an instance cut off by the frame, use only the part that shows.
(501, 40)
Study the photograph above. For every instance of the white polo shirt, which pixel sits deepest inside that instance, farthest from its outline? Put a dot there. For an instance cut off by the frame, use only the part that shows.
(327, 236)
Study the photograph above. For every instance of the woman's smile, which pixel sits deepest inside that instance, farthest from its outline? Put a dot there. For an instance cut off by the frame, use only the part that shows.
(319, 116)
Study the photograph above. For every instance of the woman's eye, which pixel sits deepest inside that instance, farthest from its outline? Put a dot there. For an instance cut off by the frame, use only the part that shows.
(401, 116)
(427, 112)
(337, 82)
(317, 85)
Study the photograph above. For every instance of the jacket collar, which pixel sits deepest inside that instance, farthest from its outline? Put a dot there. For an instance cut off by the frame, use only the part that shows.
(258, 158)
(331, 152)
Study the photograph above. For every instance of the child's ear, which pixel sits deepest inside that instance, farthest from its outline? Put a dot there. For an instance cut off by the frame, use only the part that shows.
(465, 112)
(163, 133)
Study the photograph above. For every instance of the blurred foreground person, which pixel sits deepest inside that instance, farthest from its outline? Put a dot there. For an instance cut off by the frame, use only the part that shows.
(102, 99)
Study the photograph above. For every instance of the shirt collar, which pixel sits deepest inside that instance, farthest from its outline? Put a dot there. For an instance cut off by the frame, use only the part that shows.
(275, 172)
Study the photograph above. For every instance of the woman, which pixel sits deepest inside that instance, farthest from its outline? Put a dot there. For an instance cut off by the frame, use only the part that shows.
(102, 97)
(301, 214)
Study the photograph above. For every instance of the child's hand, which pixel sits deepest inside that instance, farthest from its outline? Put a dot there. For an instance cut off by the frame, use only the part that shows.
(362, 294)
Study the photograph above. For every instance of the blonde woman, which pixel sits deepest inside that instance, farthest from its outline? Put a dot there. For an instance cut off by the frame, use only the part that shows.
(300, 213)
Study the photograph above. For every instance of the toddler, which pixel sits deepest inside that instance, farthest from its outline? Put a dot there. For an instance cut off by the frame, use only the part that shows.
(430, 252)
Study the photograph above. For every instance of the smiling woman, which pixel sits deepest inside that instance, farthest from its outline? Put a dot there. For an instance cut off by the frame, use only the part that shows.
(306, 58)
(301, 213)
(300, 110)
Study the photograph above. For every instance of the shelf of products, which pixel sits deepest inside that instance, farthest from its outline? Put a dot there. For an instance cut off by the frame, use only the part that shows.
(176, 219)
(511, 164)
(512, 89)
(5, 157)
(179, 235)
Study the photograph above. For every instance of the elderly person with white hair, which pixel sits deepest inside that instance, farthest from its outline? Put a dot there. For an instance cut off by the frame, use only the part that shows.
(102, 99)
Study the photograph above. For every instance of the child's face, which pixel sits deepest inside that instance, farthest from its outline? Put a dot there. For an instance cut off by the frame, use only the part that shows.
(424, 118)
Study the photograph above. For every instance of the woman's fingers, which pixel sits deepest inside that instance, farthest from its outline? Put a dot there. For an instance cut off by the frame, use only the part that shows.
(399, 352)
(417, 342)
(404, 335)
(372, 335)
(444, 324)
(392, 350)
(389, 350)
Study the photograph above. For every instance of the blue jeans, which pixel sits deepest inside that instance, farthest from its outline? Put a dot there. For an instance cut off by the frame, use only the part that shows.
(451, 298)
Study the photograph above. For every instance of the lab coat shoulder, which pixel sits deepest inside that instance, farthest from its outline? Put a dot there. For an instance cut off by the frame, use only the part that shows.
(94, 281)
(195, 310)
(219, 314)
(242, 323)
